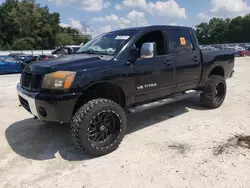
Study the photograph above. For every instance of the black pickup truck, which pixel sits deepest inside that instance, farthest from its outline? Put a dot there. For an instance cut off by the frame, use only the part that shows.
(120, 72)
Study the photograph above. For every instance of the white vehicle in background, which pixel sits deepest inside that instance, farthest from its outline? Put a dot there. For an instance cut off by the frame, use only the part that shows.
(238, 50)
(208, 48)
(68, 49)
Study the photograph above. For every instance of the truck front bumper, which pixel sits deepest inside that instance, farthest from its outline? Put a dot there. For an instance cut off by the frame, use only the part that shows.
(48, 107)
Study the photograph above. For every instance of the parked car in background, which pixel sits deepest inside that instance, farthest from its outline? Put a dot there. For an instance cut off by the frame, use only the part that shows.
(32, 58)
(245, 52)
(46, 57)
(239, 50)
(15, 55)
(27, 58)
(10, 65)
(71, 49)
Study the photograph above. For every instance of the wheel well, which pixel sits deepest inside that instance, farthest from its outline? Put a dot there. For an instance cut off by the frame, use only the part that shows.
(101, 90)
(217, 71)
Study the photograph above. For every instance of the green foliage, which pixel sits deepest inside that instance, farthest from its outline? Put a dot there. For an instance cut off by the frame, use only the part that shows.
(25, 25)
(219, 30)
(63, 39)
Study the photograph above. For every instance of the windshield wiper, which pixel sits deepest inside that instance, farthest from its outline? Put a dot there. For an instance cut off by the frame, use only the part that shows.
(91, 52)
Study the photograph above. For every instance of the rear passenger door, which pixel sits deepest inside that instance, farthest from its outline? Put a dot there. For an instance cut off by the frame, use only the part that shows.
(187, 61)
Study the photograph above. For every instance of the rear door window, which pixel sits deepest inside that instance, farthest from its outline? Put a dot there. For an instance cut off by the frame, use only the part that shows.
(180, 41)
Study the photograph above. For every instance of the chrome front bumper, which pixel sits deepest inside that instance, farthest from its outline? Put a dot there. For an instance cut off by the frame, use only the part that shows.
(31, 103)
(48, 107)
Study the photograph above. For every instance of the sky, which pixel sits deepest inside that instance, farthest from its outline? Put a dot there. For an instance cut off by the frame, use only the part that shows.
(107, 15)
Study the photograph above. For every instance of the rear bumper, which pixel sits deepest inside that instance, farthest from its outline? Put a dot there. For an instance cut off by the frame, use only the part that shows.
(48, 107)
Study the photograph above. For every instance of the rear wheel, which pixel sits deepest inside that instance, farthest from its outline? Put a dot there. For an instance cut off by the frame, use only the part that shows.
(99, 126)
(215, 92)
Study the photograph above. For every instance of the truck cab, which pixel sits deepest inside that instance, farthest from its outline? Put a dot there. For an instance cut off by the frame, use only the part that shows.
(174, 64)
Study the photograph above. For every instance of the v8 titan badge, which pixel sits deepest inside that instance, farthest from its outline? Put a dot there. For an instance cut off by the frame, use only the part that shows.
(146, 86)
(183, 41)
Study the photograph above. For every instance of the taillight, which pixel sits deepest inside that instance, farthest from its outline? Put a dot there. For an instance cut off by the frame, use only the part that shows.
(46, 58)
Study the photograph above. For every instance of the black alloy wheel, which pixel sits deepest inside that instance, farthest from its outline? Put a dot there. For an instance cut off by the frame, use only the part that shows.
(104, 126)
(220, 92)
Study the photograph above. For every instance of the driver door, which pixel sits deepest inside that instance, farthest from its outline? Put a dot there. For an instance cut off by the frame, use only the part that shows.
(153, 77)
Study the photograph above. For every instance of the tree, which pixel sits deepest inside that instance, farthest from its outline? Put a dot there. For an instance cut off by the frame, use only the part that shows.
(202, 33)
(227, 30)
(63, 39)
(25, 25)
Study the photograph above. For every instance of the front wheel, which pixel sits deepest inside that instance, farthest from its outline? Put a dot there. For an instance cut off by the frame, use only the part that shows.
(214, 93)
(99, 126)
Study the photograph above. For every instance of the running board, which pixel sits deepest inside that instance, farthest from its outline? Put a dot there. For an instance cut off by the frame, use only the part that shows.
(170, 99)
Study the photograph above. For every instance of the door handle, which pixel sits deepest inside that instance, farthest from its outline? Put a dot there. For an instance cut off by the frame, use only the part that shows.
(168, 63)
(195, 58)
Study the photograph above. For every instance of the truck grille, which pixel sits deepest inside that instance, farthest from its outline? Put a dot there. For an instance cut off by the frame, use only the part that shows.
(31, 81)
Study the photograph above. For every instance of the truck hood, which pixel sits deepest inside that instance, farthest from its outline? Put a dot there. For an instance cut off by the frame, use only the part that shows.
(76, 62)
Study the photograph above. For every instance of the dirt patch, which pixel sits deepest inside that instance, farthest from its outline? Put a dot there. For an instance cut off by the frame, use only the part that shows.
(233, 142)
(244, 141)
(180, 148)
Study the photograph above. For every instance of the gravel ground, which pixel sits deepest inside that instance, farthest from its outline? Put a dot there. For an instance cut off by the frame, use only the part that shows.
(173, 146)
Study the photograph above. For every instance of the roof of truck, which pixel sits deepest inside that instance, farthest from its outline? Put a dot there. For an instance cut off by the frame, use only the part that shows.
(152, 27)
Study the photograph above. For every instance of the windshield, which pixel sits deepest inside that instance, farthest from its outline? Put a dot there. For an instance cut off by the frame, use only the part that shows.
(108, 44)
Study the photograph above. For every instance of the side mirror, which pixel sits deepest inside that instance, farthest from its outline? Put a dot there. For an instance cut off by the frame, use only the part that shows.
(148, 50)
(133, 55)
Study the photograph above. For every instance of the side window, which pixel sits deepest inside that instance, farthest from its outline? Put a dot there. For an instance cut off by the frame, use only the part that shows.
(181, 41)
(155, 36)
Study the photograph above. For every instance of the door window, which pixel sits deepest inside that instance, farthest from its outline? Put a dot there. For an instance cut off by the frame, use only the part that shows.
(181, 41)
(154, 36)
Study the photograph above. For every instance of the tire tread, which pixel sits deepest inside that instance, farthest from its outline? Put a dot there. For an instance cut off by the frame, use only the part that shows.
(83, 112)
(207, 97)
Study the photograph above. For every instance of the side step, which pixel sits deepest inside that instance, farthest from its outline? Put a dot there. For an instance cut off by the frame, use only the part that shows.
(170, 99)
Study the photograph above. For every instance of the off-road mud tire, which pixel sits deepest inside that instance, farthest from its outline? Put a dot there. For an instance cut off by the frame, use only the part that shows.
(82, 119)
(209, 97)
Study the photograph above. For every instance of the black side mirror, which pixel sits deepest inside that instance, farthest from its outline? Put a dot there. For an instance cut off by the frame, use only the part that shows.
(133, 55)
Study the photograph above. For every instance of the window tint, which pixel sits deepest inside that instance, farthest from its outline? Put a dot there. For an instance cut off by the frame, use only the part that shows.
(181, 41)
(155, 36)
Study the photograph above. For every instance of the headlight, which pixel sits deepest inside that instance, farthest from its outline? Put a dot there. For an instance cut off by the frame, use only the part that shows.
(58, 80)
